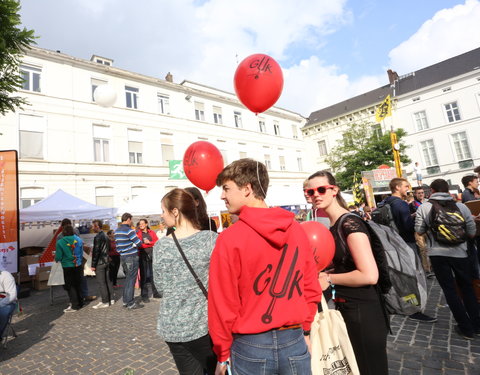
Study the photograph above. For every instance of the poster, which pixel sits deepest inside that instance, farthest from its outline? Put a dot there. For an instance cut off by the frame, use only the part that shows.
(9, 210)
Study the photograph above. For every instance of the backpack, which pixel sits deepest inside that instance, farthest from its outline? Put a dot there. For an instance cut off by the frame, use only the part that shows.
(401, 279)
(383, 215)
(447, 222)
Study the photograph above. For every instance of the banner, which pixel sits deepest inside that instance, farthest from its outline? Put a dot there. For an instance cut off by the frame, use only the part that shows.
(384, 110)
(9, 224)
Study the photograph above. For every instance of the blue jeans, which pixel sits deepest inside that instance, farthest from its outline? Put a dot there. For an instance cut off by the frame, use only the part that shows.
(5, 312)
(272, 352)
(465, 309)
(130, 263)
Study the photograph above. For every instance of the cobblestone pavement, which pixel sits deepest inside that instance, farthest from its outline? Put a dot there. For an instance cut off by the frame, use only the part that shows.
(117, 341)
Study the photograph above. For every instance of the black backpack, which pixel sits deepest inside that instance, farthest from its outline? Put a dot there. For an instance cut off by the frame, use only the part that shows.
(383, 215)
(447, 222)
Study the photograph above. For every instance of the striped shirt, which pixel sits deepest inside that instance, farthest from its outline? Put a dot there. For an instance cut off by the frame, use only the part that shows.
(127, 240)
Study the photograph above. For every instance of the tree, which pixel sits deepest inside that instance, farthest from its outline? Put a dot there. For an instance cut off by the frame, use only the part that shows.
(363, 148)
(13, 43)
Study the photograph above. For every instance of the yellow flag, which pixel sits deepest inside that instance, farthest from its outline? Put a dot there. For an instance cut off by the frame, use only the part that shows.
(384, 109)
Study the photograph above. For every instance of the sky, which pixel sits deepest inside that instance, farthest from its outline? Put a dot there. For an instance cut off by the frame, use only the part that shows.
(329, 50)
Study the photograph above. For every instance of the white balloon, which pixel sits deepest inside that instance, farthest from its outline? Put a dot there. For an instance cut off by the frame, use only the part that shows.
(105, 95)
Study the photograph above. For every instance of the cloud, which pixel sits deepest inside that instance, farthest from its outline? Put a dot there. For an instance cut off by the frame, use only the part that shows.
(448, 33)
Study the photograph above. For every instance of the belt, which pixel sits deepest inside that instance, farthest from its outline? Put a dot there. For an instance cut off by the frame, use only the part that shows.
(294, 326)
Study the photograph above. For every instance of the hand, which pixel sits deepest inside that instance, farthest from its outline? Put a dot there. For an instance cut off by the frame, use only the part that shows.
(146, 240)
(92, 268)
(221, 369)
(309, 344)
(477, 218)
(323, 278)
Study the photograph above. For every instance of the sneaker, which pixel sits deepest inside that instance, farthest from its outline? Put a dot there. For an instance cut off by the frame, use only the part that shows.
(98, 305)
(69, 309)
(90, 298)
(421, 317)
(467, 336)
(145, 299)
(101, 305)
(430, 275)
(112, 302)
(157, 296)
(134, 306)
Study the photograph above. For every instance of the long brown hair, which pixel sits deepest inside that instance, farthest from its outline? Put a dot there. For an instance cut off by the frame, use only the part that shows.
(184, 202)
(331, 181)
(202, 214)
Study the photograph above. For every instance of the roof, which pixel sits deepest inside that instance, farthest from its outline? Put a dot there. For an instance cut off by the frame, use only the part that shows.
(416, 80)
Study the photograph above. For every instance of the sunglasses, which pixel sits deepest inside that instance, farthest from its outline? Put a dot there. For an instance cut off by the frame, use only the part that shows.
(320, 189)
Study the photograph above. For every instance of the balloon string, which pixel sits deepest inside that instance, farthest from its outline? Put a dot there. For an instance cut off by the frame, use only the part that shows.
(258, 178)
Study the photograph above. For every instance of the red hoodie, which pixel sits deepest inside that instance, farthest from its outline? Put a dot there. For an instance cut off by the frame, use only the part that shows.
(262, 276)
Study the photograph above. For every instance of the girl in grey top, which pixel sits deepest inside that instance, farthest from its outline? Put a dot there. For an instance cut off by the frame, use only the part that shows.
(183, 321)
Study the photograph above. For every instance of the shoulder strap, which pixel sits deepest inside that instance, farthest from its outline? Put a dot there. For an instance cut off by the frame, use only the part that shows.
(199, 282)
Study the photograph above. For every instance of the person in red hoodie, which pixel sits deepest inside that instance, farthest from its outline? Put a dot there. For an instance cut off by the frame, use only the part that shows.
(263, 284)
(148, 238)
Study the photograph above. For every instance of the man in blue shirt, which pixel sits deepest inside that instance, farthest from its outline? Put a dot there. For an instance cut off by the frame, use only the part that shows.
(127, 246)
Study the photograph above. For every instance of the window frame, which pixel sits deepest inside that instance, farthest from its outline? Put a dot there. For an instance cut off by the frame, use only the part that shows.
(163, 103)
(452, 110)
(31, 72)
(421, 123)
(465, 140)
(132, 95)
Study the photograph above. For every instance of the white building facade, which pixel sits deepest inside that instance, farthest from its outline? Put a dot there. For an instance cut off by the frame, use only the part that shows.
(109, 155)
(438, 106)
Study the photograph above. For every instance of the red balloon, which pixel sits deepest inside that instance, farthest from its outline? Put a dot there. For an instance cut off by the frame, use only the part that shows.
(202, 163)
(258, 82)
(321, 241)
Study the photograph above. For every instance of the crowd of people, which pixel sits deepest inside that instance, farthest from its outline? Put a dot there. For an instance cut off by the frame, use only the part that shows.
(244, 300)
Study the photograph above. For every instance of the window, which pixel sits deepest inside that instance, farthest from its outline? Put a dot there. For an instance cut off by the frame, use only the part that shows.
(31, 134)
(104, 196)
(238, 119)
(262, 127)
(451, 109)
(167, 154)
(95, 83)
(268, 162)
(347, 139)
(276, 128)
(421, 120)
(131, 95)
(300, 164)
(322, 148)
(199, 111)
(377, 131)
(295, 131)
(217, 115)
(430, 156)
(101, 143)
(31, 195)
(31, 78)
(282, 162)
(462, 148)
(135, 147)
(163, 104)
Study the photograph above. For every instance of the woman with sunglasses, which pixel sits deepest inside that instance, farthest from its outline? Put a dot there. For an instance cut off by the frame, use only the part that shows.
(354, 277)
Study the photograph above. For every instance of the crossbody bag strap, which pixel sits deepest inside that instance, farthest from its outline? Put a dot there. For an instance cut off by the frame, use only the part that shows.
(199, 282)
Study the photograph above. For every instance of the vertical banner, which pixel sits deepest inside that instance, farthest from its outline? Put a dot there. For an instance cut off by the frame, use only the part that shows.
(9, 210)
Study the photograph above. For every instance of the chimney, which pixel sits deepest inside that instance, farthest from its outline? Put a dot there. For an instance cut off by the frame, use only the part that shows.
(169, 77)
(392, 76)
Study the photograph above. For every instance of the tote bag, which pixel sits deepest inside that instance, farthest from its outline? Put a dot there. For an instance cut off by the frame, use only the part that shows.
(332, 352)
(56, 275)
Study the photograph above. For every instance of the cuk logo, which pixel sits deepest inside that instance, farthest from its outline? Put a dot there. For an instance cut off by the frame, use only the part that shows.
(262, 65)
(7, 249)
(340, 367)
(276, 288)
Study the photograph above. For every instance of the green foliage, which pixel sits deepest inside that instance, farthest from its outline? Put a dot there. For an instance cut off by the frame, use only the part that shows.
(362, 149)
(13, 43)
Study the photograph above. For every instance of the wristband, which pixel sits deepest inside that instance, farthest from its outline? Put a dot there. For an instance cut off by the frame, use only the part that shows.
(306, 333)
(223, 363)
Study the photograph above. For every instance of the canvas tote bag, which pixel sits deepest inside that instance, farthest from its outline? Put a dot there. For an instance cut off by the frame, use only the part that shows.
(56, 275)
(332, 352)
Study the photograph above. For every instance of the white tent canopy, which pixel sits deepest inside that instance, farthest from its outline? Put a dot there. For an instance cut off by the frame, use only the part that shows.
(60, 205)
(146, 204)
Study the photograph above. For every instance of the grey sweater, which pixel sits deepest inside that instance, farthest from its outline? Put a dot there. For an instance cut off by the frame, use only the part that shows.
(422, 224)
(183, 309)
